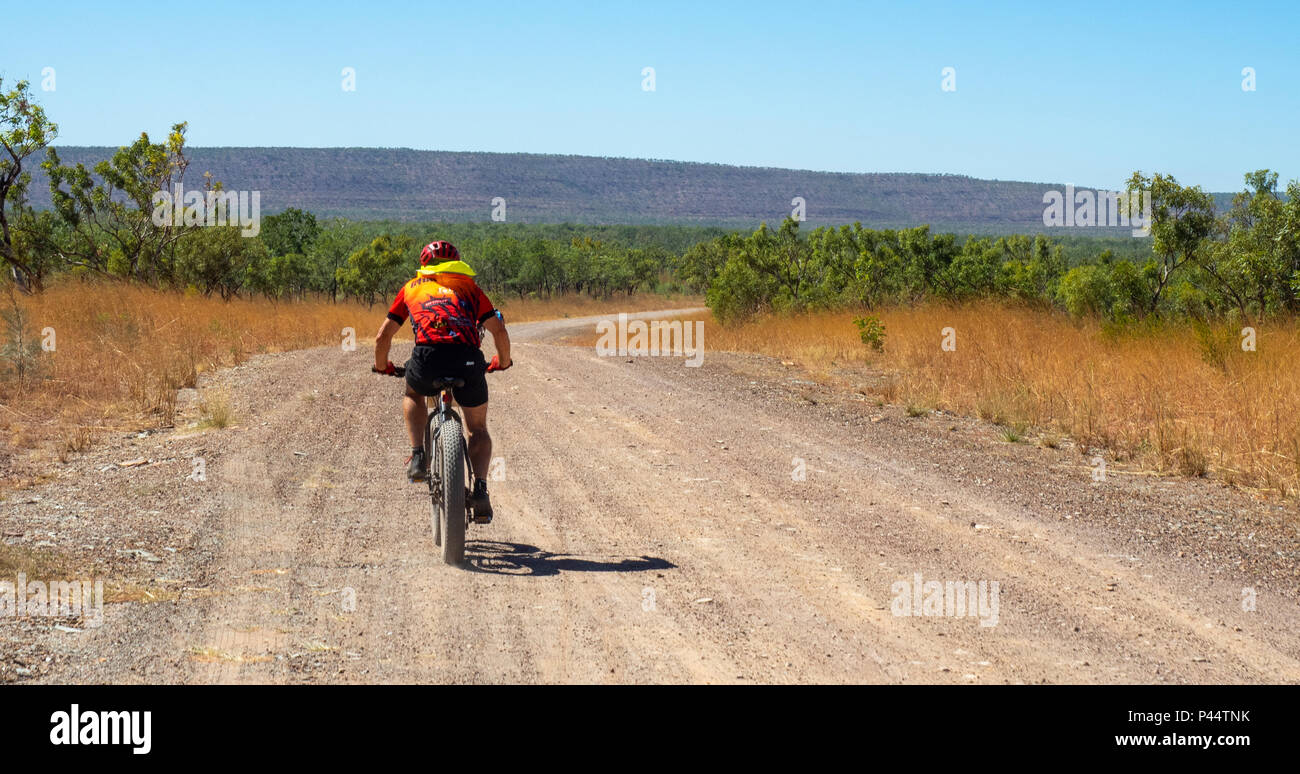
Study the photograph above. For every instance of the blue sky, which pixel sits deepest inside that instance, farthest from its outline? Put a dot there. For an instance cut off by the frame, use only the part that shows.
(1046, 92)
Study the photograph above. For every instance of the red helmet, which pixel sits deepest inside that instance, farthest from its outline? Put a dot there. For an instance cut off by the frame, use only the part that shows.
(437, 252)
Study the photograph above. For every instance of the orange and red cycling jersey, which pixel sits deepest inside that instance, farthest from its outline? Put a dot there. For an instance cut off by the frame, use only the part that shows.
(444, 307)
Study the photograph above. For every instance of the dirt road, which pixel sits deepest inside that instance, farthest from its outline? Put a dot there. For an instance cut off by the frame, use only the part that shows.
(653, 525)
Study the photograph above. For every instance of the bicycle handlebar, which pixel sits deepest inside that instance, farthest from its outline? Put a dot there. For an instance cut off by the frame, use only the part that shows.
(401, 370)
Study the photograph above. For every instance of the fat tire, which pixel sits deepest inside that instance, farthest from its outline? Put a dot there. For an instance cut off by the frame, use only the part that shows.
(435, 468)
(451, 460)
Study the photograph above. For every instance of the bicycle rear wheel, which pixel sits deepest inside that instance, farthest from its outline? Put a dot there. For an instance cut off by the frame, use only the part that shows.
(435, 470)
(449, 507)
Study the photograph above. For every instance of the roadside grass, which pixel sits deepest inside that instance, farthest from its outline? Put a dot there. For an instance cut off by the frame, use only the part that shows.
(117, 354)
(215, 409)
(1013, 433)
(35, 563)
(211, 655)
(43, 564)
(1155, 395)
(116, 591)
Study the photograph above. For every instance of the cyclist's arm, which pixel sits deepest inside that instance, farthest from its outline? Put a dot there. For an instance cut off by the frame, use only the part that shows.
(500, 338)
(384, 340)
(397, 314)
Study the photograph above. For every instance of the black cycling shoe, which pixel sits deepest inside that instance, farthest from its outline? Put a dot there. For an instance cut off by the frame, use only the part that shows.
(482, 505)
(418, 469)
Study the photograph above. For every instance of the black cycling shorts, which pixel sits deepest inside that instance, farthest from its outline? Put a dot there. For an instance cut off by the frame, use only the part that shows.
(431, 361)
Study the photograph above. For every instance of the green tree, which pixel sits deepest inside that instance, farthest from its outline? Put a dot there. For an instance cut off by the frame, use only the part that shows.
(111, 223)
(1257, 263)
(701, 262)
(329, 252)
(371, 271)
(1182, 223)
(220, 260)
(24, 130)
(290, 232)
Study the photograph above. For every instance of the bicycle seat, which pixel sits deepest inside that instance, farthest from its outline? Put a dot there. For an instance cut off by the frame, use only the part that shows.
(444, 382)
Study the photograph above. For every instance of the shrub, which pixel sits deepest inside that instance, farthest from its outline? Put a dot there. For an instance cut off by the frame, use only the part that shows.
(872, 332)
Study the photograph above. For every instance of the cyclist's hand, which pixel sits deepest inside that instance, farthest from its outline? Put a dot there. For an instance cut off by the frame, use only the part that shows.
(387, 370)
(495, 365)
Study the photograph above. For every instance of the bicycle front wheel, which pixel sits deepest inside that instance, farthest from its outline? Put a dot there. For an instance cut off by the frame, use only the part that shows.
(449, 502)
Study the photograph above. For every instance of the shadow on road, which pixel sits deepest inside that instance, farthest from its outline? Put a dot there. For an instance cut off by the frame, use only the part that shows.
(519, 559)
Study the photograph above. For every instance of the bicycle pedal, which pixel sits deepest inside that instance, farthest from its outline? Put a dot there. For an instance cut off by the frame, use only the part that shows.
(481, 519)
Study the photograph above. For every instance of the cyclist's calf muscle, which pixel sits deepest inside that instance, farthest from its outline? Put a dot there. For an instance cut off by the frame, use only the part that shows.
(480, 441)
(417, 415)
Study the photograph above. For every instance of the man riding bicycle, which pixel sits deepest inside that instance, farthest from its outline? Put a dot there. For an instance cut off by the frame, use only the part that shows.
(446, 308)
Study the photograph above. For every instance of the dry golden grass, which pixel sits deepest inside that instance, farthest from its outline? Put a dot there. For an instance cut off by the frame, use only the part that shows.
(215, 409)
(121, 353)
(35, 563)
(1164, 397)
(210, 655)
(127, 591)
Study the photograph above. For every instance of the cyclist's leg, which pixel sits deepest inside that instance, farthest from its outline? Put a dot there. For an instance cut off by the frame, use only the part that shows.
(413, 408)
(480, 454)
(419, 371)
(480, 443)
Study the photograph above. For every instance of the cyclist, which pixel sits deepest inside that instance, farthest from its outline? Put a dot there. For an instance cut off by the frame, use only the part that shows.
(448, 312)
